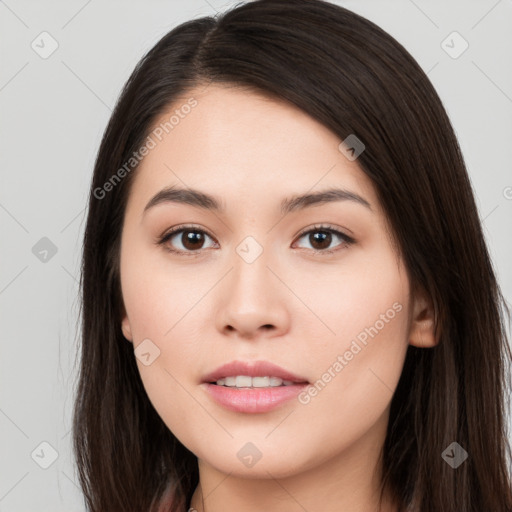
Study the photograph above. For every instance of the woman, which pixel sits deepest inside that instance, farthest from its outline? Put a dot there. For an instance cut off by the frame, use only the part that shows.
(288, 303)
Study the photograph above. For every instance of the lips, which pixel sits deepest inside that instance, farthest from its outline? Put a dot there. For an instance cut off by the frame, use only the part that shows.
(251, 400)
(252, 369)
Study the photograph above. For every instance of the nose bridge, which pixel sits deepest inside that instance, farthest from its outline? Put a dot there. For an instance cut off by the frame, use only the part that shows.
(251, 249)
(252, 298)
(251, 276)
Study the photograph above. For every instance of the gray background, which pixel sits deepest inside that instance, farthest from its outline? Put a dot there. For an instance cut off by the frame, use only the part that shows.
(53, 113)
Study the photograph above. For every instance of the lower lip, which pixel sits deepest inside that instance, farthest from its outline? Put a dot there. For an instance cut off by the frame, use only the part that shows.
(253, 400)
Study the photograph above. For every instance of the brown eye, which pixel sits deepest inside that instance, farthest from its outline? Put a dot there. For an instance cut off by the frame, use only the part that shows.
(320, 239)
(191, 240)
(188, 240)
(184, 240)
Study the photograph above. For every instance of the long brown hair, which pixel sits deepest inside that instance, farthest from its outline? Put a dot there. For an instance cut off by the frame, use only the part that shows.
(353, 77)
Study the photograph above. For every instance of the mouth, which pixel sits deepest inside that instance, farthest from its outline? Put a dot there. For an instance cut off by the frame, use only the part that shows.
(248, 382)
(254, 374)
(252, 387)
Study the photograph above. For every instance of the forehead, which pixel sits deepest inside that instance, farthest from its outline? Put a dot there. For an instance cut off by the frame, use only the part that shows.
(234, 140)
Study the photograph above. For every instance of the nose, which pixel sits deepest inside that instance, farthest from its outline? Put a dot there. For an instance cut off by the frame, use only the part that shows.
(253, 300)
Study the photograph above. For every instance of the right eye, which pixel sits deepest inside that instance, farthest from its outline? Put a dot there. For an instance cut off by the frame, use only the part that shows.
(190, 238)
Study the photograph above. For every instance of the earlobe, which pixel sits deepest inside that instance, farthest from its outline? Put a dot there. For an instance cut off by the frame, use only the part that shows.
(126, 328)
(422, 332)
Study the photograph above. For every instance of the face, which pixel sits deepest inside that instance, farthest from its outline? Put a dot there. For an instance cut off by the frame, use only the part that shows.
(314, 287)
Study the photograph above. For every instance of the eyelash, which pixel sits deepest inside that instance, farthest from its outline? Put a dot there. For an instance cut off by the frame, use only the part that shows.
(347, 240)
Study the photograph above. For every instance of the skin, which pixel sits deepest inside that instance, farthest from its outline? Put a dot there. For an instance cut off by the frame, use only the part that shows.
(293, 305)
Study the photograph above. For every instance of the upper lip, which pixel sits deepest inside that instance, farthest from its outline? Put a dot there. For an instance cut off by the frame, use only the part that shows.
(252, 369)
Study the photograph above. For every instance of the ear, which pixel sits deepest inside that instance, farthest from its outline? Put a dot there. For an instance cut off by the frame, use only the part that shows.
(422, 330)
(126, 327)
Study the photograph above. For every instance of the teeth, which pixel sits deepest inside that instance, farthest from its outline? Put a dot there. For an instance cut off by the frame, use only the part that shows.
(230, 381)
(261, 382)
(244, 381)
(275, 381)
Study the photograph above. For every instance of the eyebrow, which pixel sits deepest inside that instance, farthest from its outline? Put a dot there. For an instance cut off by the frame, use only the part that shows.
(205, 201)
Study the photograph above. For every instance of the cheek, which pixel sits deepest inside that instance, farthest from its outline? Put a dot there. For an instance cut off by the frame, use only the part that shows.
(157, 301)
(364, 298)
(358, 357)
(156, 294)
(161, 318)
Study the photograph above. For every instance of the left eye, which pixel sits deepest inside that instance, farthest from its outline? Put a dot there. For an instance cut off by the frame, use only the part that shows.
(322, 236)
(192, 239)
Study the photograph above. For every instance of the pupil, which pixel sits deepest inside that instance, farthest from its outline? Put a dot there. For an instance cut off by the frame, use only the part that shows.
(323, 236)
(192, 237)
